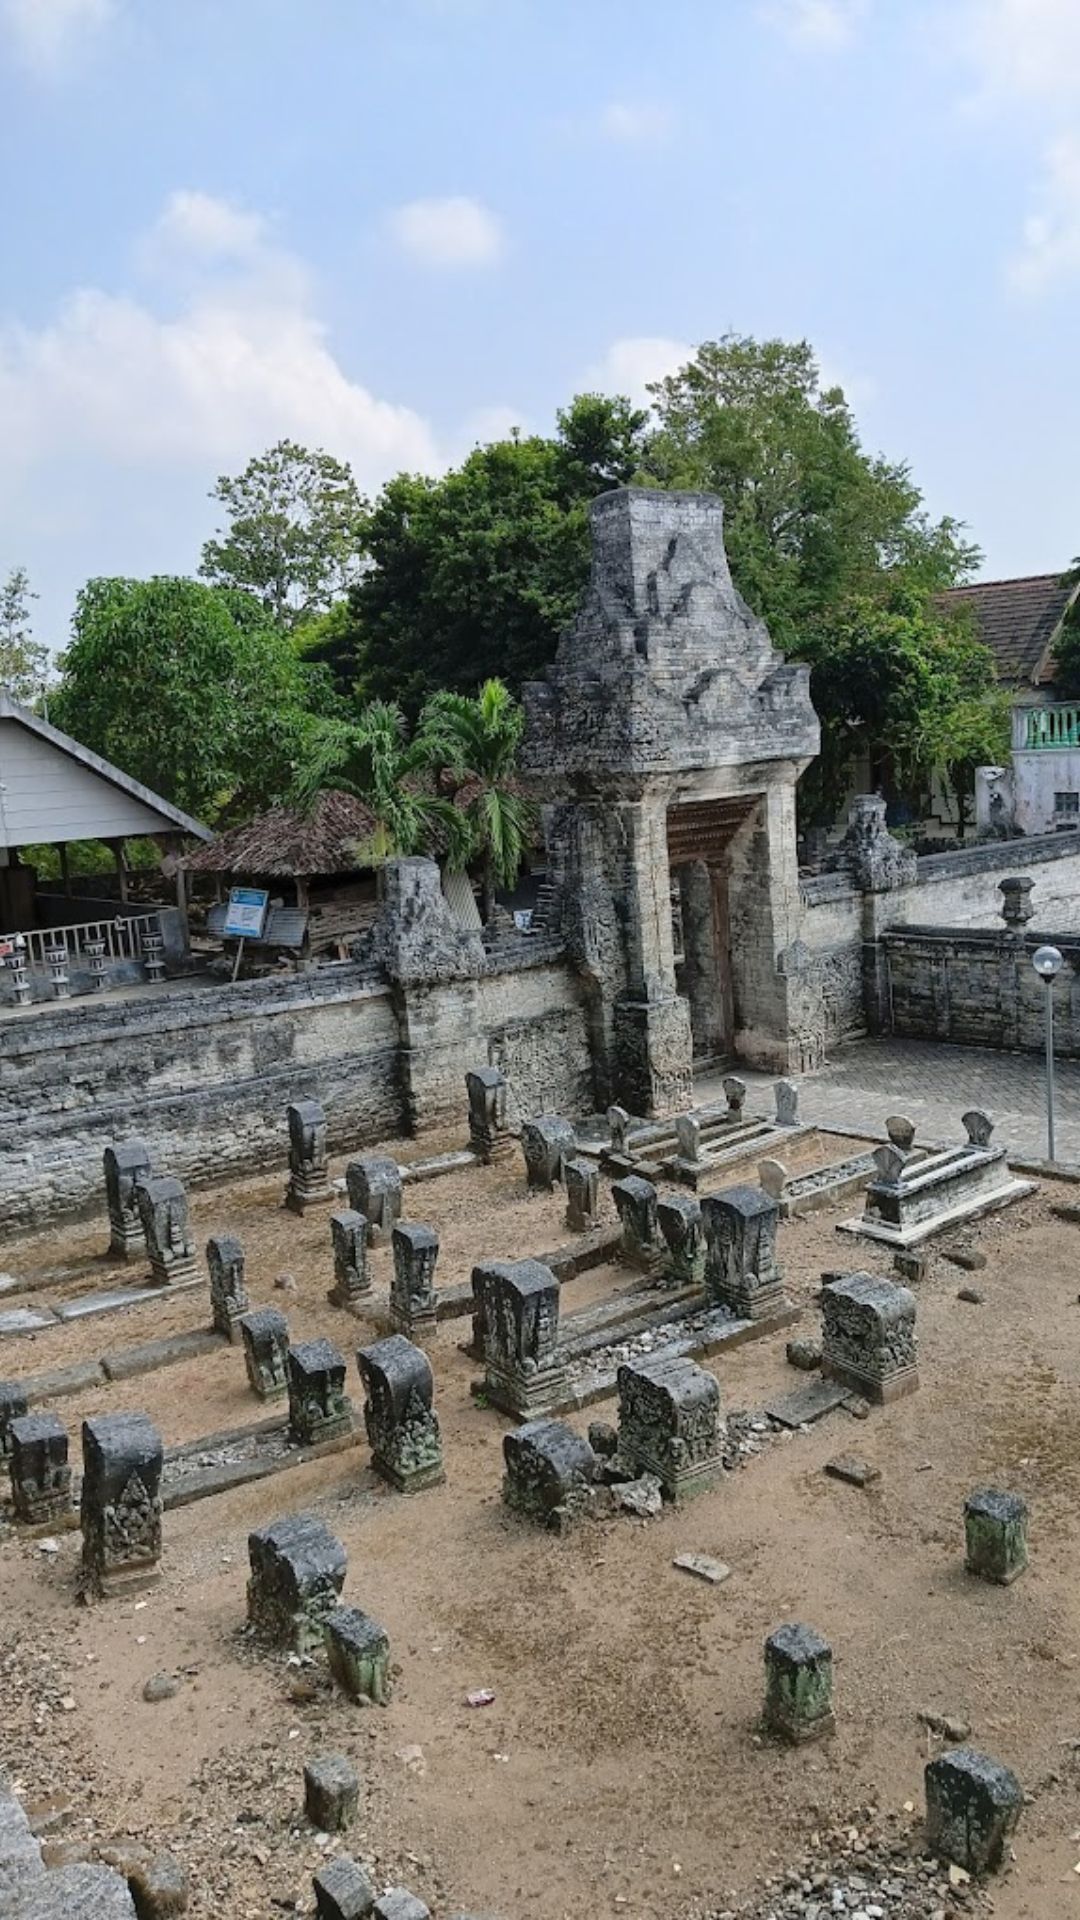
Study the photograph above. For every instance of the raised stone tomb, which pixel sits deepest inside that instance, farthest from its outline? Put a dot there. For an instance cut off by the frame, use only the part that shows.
(670, 1423)
(913, 1195)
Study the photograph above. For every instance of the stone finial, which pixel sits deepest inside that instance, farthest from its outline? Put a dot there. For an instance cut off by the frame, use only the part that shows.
(125, 1165)
(265, 1333)
(546, 1142)
(973, 1804)
(331, 1792)
(678, 1217)
(40, 1474)
(121, 1503)
(995, 1528)
(772, 1178)
(374, 1187)
(868, 1341)
(550, 1473)
(489, 1135)
(978, 1126)
(798, 1684)
(735, 1095)
(358, 1655)
(412, 1285)
(876, 861)
(901, 1132)
(581, 1178)
(309, 1181)
(228, 1292)
(163, 1210)
(786, 1095)
(319, 1408)
(1016, 908)
(635, 1203)
(343, 1891)
(401, 1423)
(518, 1310)
(740, 1251)
(670, 1423)
(297, 1573)
(13, 1404)
(352, 1275)
(619, 1124)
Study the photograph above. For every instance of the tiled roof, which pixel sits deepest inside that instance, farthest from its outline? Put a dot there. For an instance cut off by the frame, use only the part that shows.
(1017, 620)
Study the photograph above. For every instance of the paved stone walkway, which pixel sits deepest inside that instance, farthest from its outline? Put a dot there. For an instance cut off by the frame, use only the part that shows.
(933, 1084)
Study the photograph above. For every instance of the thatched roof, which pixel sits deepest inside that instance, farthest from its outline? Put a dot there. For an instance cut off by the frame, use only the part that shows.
(289, 843)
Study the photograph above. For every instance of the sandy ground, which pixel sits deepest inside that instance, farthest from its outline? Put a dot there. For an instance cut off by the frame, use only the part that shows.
(618, 1771)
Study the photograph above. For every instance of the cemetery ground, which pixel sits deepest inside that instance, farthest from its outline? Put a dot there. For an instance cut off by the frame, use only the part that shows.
(619, 1770)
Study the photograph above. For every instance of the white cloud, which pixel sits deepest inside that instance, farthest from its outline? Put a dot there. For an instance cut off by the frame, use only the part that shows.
(453, 232)
(642, 123)
(44, 31)
(242, 360)
(1050, 245)
(1026, 49)
(631, 365)
(826, 24)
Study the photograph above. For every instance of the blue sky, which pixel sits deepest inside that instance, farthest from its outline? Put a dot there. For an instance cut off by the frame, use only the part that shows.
(390, 227)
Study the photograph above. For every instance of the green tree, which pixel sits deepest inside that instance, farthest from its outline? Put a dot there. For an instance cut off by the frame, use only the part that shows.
(479, 739)
(188, 688)
(1067, 650)
(810, 518)
(295, 533)
(911, 688)
(23, 660)
(476, 574)
(375, 757)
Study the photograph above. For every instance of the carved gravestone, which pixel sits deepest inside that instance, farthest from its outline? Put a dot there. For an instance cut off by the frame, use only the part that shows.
(635, 1204)
(786, 1095)
(688, 1141)
(265, 1333)
(309, 1177)
(741, 1273)
(995, 1529)
(401, 1423)
(319, 1407)
(619, 1124)
(412, 1285)
(489, 1135)
(358, 1655)
(798, 1684)
(374, 1185)
(13, 1404)
(120, 1511)
(352, 1276)
(550, 1473)
(772, 1178)
(40, 1474)
(582, 1181)
(228, 1293)
(546, 1143)
(163, 1210)
(978, 1126)
(126, 1164)
(735, 1095)
(973, 1804)
(901, 1131)
(868, 1337)
(679, 1220)
(670, 1423)
(524, 1373)
(297, 1573)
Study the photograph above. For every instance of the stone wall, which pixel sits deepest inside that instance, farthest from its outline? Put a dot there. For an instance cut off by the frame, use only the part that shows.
(204, 1073)
(977, 987)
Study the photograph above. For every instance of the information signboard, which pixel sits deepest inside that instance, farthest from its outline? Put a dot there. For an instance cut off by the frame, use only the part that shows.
(246, 916)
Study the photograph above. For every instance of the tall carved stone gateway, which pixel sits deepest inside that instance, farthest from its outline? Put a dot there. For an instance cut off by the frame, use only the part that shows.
(667, 738)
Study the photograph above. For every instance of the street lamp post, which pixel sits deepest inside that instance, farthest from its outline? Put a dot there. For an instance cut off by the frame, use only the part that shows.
(1047, 962)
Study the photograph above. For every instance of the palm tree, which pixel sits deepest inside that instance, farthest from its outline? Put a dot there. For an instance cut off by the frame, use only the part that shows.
(374, 758)
(477, 740)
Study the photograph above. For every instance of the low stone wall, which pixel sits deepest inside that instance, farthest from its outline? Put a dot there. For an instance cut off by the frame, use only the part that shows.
(204, 1073)
(978, 987)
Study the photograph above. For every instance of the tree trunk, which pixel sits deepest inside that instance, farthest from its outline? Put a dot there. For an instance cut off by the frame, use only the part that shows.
(488, 894)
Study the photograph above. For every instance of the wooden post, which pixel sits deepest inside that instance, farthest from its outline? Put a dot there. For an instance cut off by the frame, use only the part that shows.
(176, 848)
(121, 870)
(65, 866)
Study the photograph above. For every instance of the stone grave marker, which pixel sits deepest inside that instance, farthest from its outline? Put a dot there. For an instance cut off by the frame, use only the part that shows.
(297, 1573)
(401, 1423)
(228, 1293)
(309, 1176)
(670, 1423)
(265, 1333)
(120, 1510)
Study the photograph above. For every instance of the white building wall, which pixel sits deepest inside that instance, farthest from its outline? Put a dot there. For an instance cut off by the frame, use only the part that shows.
(47, 796)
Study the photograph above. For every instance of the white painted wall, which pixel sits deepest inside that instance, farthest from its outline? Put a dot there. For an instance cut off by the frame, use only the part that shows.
(47, 796)
(1038, 777)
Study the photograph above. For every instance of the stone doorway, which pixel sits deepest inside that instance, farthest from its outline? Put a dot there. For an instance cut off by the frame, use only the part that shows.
(699, 834)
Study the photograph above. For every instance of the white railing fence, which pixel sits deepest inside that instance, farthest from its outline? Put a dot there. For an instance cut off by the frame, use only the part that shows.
(123, 940)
